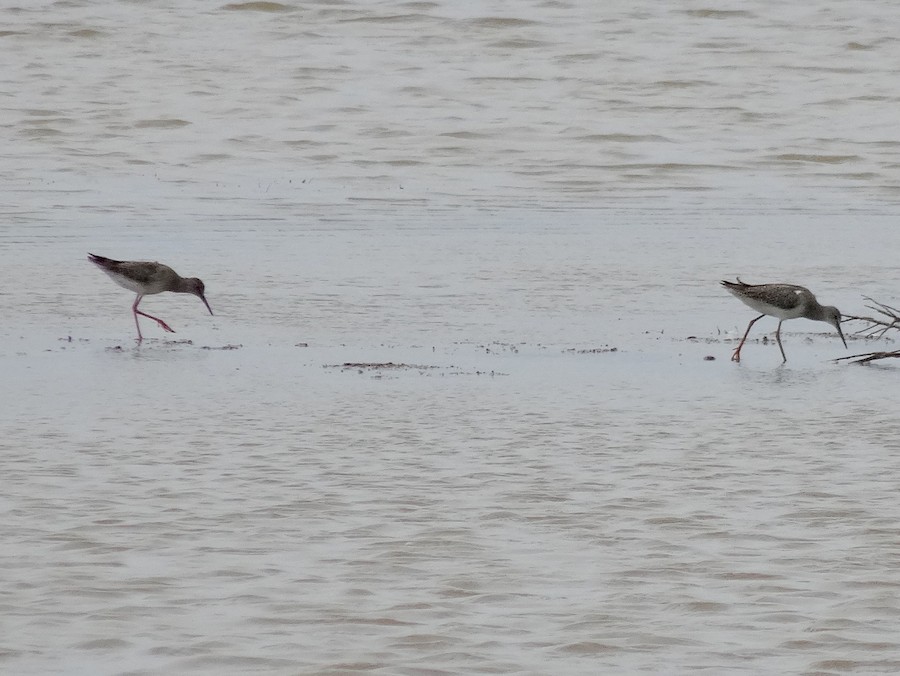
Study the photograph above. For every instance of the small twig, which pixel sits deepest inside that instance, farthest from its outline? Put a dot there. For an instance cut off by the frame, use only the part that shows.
(870, 356)
(894, 312)
(877, 327)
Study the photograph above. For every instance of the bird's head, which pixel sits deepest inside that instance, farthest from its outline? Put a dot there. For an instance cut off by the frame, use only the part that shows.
(833, 316)
(195, 286)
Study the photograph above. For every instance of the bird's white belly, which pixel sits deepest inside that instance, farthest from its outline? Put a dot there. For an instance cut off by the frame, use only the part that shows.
(132, 285)
(773, 310)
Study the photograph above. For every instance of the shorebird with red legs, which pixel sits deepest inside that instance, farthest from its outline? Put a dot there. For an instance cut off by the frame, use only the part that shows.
(784, 301)
(146, 278)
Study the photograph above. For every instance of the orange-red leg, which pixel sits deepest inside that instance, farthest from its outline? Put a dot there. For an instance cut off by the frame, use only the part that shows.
(134, 309)
(736, 355)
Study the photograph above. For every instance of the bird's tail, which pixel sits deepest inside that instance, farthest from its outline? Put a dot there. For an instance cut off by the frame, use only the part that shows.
(103, 262)
(734, 285)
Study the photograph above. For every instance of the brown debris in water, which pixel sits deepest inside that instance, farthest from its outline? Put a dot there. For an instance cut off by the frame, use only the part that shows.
(373, 366)
(867, 357)
(423, 369)
(594, 350)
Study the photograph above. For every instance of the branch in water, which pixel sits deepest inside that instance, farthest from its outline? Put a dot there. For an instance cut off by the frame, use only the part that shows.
(870, 356)
(876, 328)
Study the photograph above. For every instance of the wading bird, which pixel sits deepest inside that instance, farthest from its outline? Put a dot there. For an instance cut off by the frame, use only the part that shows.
(785, 301)
(146, 278)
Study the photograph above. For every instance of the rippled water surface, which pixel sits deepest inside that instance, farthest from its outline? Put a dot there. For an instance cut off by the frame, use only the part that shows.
(465, 405)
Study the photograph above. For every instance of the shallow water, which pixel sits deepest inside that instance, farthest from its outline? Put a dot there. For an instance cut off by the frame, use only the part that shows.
(454, 412)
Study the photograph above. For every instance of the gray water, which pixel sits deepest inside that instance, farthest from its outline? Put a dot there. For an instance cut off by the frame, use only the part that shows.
(465, 405)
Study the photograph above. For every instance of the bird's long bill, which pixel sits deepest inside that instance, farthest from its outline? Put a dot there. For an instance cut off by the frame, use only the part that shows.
(203, 298)
(841, 334)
